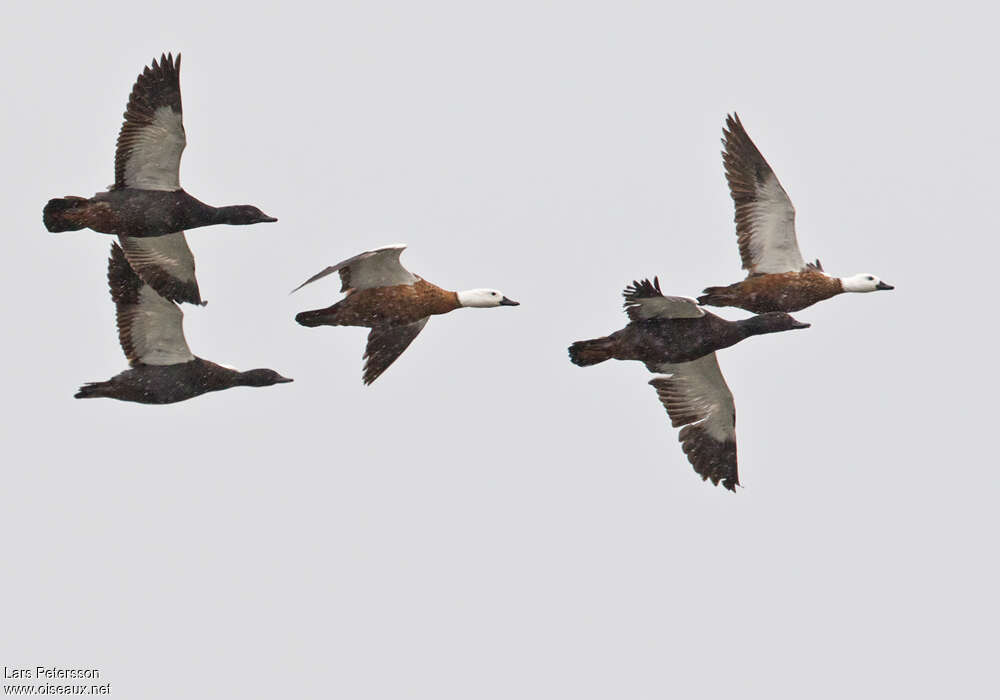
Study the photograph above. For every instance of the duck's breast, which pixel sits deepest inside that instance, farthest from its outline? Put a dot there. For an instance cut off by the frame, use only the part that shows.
(788, 291)
(398, 304)
(669, 340)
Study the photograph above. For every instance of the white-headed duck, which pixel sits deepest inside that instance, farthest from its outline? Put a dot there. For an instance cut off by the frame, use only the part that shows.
(383, 295)
(778, 279)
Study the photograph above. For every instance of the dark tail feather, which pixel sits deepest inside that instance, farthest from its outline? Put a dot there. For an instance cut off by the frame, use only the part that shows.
(717, 296)
(58, 217)
(316, 317)
(93, 390)
(591, 352)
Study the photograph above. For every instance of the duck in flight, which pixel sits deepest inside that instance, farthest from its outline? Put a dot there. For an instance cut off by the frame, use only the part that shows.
(394, 303)
(676, 339)
(146, 199)
(146, 206)
(778, 278)
(151, 333)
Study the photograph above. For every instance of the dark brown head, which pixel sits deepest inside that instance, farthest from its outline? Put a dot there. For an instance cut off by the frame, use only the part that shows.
(242, 215)
(262, 377)
(772, 322)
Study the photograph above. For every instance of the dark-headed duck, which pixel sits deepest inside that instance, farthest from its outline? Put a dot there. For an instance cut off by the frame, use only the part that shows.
(778, 278)
(677, 339)
(146, 199)
(383, 295)
(151, 333)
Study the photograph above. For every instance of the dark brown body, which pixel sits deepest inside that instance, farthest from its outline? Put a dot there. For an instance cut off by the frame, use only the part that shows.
(162, 384)
(384, 306)
(656, 341)
(130, 212)
(787, 291)
(660, 340)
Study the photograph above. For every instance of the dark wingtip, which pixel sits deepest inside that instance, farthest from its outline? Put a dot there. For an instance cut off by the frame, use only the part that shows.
(641, 289)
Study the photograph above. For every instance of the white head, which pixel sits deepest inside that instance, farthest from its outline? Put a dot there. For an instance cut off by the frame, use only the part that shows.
(484, 298)
(863, 283)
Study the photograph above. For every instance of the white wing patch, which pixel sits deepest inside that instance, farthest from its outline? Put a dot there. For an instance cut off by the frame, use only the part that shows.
(374, 268)
(696, 393)
(170, 253)
(765, 217)
(697, 398)
(645, 308)
(154, 158)
(773, 246)
(380, 268)
(155, 327)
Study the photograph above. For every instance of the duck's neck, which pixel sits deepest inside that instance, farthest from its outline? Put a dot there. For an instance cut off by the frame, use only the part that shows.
(755, 325)
(221, 215)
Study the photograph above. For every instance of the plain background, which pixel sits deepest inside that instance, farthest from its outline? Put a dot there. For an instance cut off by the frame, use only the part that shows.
(488, 520)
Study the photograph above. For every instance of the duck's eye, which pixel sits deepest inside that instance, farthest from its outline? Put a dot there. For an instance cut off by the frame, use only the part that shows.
(871, 279)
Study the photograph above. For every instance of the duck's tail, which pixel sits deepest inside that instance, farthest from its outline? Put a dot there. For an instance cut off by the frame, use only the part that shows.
(93, 390)
(63, 214)
(591, 352)
(718, 296)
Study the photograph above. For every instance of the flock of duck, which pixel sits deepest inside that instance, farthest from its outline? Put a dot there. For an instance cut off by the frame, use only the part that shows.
(151, 270)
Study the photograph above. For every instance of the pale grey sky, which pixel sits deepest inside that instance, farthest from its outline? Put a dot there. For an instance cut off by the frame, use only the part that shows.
(488, 520)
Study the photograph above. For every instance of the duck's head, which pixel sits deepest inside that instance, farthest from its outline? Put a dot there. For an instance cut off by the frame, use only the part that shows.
(773, 322)
(242, 215)
(863, 283)
(262, 377)
(484, 298)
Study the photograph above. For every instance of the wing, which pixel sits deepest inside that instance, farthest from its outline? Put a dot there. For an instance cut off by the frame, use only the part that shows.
(643, 300)
(696, 396)
(152, 139)
(765, 217)
(387, 343)
(166, 264)
(374, 268)
(150, 328)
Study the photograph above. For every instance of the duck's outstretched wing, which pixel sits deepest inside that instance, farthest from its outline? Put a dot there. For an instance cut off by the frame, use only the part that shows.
(373, 268)
(150, 328)
(166, 264)
(152, 138)
(643, 300)
(697, 397)
(765, 217)
(386, 344)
